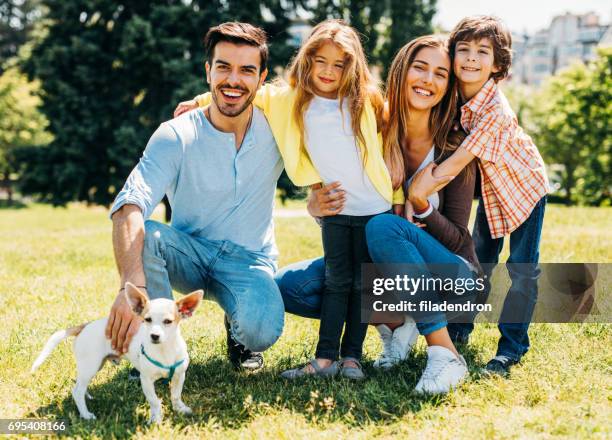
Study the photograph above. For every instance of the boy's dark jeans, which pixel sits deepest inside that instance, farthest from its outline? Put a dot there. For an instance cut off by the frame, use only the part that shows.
(345, 247)
(521, 298)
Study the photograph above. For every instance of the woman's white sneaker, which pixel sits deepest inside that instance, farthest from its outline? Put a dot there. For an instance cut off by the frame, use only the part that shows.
(444, 371)
(396, 343)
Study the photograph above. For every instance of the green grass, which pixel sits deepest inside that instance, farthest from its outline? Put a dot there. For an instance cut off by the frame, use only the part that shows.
(57, 269)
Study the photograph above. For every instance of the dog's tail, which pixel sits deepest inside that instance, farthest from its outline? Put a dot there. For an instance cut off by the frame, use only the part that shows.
(53, 341)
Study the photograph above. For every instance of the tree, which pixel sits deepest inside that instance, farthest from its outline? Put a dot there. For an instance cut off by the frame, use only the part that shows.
(572, 118)
(17, 18)
(407, 20)
(386, 24)
(112, 71)
(21, 124)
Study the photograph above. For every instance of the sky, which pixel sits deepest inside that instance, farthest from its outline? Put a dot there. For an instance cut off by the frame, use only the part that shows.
(519, 15)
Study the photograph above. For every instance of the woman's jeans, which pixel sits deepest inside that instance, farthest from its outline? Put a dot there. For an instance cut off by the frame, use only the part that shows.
(394, 242)
(522, 296)
(345, 247)
(301, 284)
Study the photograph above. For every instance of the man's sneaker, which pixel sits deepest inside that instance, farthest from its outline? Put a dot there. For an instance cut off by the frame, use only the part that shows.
(499, 365)
(239, 356)
(134, 374)
(444, 371)
(397, 343)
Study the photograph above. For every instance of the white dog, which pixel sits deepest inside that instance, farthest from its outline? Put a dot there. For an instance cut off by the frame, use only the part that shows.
(157, 350)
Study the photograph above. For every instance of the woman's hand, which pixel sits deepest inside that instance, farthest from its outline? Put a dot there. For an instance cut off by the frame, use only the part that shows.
(327, 200)
(425, 184)
(185, 106)
(409, 214)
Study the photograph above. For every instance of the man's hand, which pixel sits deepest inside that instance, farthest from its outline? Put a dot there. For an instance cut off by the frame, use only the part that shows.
(326, 201)
(185, 106)
(122, 324)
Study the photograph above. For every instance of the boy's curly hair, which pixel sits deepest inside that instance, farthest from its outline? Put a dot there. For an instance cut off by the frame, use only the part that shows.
(478, 27)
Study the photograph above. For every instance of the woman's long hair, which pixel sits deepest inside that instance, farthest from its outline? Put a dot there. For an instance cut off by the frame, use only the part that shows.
(442, 114)
(356, 84)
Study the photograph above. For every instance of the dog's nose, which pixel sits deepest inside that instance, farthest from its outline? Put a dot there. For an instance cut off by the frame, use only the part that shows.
(154, 337)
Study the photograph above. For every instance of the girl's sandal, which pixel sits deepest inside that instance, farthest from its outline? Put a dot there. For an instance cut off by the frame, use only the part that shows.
(353, 373)
(295, 373)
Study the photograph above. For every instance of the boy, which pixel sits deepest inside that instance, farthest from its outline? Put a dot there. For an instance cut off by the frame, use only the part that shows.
(513, 179)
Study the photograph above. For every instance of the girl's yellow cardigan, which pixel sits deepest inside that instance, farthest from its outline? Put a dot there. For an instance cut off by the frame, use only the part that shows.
(277, 105)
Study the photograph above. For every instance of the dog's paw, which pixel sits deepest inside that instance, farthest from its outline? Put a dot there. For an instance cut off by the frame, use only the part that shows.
(181, 408)
(88, 416)
(155, 418)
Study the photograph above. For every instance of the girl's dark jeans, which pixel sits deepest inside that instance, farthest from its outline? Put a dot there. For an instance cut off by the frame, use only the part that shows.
(346, 249)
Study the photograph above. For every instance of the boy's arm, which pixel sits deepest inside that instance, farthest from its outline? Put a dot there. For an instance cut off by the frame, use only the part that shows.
(487, 142)
(453, 165)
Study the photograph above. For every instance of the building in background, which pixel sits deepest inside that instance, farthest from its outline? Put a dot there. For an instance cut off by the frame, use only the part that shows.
(569, 38)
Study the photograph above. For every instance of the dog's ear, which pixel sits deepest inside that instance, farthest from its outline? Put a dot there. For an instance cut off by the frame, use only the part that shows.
(137, 299)
(187, 305)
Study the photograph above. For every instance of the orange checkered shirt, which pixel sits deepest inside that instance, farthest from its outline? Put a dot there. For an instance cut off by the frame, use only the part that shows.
(513, 176)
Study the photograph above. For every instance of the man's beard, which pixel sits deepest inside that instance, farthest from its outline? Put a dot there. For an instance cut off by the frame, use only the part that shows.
(229, 110)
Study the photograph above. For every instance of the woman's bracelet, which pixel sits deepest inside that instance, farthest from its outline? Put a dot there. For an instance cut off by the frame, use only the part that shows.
(424, 213)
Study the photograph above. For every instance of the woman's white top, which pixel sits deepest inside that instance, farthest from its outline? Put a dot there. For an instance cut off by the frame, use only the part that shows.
(335, 153)
(434, 199)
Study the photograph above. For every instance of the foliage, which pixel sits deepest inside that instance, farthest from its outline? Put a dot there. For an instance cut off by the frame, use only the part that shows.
(386, 24)
(572, 118)
(21, 123)
(17, 18)
(112, 71)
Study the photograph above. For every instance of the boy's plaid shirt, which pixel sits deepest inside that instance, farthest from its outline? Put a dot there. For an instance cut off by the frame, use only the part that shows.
(513, 176)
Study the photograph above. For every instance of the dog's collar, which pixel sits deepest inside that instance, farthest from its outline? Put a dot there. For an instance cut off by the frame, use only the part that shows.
(170, 368)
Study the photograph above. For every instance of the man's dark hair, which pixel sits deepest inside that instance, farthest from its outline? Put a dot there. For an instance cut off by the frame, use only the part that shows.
(237, 33)
(484, 26)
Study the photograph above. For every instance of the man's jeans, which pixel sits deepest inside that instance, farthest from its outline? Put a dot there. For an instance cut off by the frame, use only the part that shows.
(239, 281)
(523, 293)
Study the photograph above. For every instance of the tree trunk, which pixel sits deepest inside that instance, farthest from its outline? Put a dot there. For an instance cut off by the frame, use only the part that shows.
(569, 183)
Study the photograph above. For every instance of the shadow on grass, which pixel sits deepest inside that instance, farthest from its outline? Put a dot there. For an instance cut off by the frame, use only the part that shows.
(227, 399)
(15, 204)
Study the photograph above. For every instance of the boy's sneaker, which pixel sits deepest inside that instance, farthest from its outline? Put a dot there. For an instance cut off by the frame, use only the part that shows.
(499, 365)
(239, 356)
(444, 371)
(396, 343)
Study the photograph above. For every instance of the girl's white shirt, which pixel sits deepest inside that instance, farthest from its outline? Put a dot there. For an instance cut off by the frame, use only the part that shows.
(335, 154)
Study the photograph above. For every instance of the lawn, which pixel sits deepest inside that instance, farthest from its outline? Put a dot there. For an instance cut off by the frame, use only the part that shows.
(57, 269)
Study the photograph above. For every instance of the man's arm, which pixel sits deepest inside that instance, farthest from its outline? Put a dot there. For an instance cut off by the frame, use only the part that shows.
(128, 242)
(143, 190)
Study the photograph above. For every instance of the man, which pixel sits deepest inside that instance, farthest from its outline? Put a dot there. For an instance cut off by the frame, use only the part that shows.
(219, 167)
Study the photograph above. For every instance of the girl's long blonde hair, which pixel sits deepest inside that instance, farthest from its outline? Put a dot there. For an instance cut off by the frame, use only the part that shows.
(357, 84)
(442, 114)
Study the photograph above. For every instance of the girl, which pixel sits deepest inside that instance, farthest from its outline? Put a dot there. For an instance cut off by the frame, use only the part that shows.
(421, 101)
(325, 122)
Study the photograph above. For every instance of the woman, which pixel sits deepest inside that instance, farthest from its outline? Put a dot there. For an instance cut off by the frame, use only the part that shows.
(421, 103)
